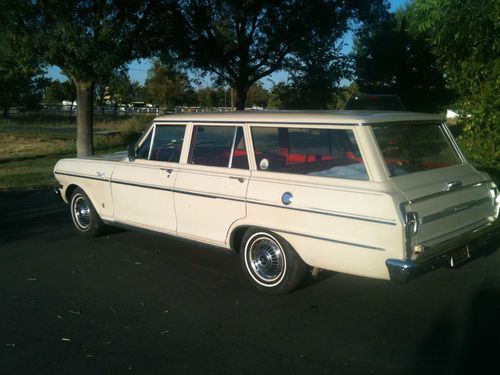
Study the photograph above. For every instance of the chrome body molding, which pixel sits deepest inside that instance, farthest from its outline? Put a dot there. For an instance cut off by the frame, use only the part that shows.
(453, 210)
(89, 177)
(444, 191)
(327, 239)
(236, 199)
(328, 213)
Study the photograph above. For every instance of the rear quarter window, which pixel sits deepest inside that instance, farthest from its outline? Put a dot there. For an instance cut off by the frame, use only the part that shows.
(309, 151)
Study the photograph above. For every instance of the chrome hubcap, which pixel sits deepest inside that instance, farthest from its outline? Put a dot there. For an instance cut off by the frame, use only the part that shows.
(266, 259)
(81, 212)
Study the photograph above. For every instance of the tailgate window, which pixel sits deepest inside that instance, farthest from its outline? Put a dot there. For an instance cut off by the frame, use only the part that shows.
(409, 148)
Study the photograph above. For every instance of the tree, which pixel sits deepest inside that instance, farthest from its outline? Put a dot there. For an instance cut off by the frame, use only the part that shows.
(21, 74)
(58, 91)
(464, 38)
(242, 42)
(257, 96)
(89, 40)
(391, 57)
(167, 86)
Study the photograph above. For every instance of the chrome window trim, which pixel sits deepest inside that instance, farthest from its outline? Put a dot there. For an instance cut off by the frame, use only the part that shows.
(230, 163)
(152, 140)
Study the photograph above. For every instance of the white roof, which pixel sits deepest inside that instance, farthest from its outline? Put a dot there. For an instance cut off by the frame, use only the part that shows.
(313, 117)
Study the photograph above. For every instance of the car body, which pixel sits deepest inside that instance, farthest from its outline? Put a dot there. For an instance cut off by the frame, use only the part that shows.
(375, 194)
(375, 102)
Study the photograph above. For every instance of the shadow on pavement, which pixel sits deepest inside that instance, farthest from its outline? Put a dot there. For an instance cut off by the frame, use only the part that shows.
(464, 341)
(28, 213)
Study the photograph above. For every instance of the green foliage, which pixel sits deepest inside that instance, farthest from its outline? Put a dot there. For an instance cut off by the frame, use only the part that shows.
(391, 57)
(21, 73)
(242, 42)
(89, 40)
(464, 35)
(58, 91)
(168, 87)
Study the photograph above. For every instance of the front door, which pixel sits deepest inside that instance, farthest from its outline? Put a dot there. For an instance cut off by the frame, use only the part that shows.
(210, 190)
(143, 189)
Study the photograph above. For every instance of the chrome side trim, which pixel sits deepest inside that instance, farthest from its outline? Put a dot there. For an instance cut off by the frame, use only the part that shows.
(453, 210)
(327, 239)
(82, 176)
(327, 213)
(145, 186)
(211, 196)
(444, 192)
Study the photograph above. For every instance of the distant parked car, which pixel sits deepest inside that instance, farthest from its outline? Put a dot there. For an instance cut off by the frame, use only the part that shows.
(375, 102)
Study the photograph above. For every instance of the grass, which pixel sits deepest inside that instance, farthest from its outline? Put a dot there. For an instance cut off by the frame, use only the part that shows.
(31, 146)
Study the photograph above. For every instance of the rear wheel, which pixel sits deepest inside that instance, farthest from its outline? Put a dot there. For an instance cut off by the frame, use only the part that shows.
(271, 263)
(85, 218)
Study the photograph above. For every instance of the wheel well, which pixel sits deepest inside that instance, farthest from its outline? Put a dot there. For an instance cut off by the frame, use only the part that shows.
(71, 188)
(236, 238)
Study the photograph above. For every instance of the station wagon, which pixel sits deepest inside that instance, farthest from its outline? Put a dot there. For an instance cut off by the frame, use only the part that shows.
(385, 195)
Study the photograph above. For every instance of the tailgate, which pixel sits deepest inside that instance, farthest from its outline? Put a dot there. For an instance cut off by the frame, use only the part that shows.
(448, 202)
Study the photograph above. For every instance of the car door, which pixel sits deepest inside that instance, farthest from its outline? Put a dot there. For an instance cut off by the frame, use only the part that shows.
(142, 189)
(210, 189)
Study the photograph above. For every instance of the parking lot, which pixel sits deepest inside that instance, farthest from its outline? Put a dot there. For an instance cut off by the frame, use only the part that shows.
(130, 302)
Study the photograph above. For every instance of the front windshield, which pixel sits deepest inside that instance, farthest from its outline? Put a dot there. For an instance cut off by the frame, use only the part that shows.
(409, 148)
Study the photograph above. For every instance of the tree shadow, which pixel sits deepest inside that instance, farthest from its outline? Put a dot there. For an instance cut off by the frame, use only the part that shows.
(464, 341)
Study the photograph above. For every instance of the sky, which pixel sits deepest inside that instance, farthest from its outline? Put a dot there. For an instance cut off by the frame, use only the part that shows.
(138, 69)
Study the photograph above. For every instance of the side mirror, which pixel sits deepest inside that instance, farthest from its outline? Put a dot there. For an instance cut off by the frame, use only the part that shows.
(131, 152)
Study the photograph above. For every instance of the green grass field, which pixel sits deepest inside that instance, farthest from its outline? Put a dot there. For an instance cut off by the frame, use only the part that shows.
(31, 146)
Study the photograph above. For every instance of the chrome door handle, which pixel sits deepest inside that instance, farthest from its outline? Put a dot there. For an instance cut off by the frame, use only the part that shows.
(453, 185)
(168, 170)
(240, 179)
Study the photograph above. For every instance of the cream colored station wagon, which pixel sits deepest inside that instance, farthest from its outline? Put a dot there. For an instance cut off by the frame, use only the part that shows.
(378, 194)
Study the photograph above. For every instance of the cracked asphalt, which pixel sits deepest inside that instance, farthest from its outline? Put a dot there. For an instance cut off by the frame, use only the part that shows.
(130, 302)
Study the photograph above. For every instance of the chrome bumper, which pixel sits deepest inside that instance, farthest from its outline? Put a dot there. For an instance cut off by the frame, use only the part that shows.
(57, 191)
(405, 270)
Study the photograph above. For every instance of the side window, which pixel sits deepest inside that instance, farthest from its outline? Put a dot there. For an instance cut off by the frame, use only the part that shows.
(143, 150)
(219, 146)
(167, 143)
(310, 151)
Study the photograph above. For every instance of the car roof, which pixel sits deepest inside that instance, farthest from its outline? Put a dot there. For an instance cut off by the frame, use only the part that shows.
(302, 117)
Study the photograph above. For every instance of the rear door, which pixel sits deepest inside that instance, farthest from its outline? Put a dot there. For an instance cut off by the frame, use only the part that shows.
(210, 190)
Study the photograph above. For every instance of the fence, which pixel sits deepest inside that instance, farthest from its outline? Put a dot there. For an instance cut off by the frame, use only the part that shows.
(69, 110)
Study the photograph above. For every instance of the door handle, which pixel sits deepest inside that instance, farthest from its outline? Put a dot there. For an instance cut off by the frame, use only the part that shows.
(168, 171)
(453, 185)
(240, 179)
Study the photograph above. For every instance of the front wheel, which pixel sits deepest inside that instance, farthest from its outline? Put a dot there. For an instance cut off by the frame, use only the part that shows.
(271, 263)
(87, 221)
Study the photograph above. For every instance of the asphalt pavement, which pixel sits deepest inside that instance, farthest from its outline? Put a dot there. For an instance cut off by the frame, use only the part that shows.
(135, 303)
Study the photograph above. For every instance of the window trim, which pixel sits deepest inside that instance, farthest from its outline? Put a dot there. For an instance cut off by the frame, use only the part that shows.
(194, 135)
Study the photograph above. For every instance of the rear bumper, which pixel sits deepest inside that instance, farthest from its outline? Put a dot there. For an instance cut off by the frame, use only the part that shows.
(405, 270)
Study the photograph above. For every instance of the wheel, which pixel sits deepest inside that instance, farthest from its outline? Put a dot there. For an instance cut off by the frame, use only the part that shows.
(87, 221)
(271, 263)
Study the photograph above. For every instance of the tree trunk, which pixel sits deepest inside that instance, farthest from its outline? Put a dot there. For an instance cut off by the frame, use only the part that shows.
(241, 96)
(84, 118)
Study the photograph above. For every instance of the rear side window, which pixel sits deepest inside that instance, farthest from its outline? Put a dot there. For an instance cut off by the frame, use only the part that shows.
(219, 146)
(309, 151)
(409, 148)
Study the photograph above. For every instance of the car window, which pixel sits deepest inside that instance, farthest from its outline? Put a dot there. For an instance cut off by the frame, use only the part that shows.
(143, 149)
(310, 151)
(219, 146)
(409, 148)
(167, 143)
